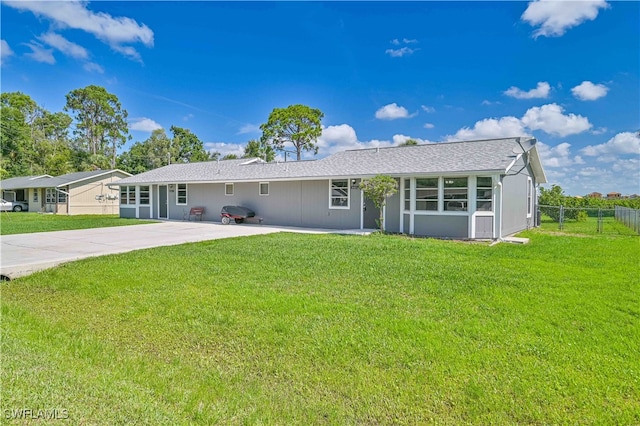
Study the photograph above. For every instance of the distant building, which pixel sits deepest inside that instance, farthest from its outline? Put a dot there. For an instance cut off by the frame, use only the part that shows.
(594, 195)
(614, 196)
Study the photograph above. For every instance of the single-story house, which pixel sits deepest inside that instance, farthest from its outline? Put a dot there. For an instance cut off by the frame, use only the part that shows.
(73, 193)
(475, 189)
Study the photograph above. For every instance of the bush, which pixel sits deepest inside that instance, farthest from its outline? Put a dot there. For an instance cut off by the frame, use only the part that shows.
(582, 216)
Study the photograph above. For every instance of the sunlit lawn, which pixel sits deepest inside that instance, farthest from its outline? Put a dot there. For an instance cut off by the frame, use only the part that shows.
(306, 329)
(24, 223)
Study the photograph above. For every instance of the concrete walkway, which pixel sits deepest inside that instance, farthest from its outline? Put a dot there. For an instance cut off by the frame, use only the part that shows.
(22, 254)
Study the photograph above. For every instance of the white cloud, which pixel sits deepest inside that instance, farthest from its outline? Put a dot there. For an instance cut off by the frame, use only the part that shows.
(224, 148)
(621, 144)
(428, 109)
(587, 91)
(554, 17)
(541, 91)
(630, 165)
(144, 125)
(395, 42)
(393, 112)
(398, 53)
(550, 119)
(40, 53)
(557, 156)
(578, 160)
(93, 67)
(116, 32)
(248, 128)
(599, 131)
(428, 126)
(63, 45)
(490, 128)
(343, 137)
(5, 51)
(487, 102)
(409, 41)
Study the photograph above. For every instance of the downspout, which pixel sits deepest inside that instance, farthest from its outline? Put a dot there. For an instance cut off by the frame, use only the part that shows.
(499, 236)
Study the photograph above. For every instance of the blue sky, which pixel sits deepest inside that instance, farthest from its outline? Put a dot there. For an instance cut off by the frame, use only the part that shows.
(564, 72)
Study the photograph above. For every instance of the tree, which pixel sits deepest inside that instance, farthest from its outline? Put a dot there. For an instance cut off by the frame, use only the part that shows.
(298, 125)
(186, 147)
(409, 142)
(17, 112)
(101, 123)
(230, 157)
(258, 149)
(378, 189)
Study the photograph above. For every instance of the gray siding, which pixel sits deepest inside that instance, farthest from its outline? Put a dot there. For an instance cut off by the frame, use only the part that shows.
(127, 212)
(298, 203)
(145, 212)
(514, 199)
(484, 226)
(406, 224)
(441, 226)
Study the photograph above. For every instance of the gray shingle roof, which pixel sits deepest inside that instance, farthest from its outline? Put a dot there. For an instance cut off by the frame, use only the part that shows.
(47, 181)
(494, 155)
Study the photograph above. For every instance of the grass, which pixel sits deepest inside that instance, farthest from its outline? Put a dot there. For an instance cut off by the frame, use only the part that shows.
(26, 223)
(308, 329)
(610, 227)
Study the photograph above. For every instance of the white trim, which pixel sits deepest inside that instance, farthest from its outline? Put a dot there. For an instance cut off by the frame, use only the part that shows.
(401, 228)
(362, 209)
(186, 194)
(232, 189)
(260, 189)
(412, 205)
(348, 206)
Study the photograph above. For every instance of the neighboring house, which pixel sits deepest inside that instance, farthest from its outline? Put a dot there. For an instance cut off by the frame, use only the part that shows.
(614, 196)
(594, 195)
(475, 189)
(73, 193)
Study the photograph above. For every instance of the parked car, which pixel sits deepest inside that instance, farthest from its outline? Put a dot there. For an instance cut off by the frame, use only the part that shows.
(16, 206)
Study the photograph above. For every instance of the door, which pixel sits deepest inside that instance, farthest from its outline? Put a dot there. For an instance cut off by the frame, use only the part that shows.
(162, 200)
(371, 214)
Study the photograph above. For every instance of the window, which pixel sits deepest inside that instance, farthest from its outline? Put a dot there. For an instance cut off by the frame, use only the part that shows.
(35, 195)
(62, 197)
(144, 195)
(127, 195)
(339, 194)
(529, 196)
(228, 189)
(427, 194)
(50, 196)
(455, 194)
(181, 194)
(484, 194)
(264, 188)
(407, 194)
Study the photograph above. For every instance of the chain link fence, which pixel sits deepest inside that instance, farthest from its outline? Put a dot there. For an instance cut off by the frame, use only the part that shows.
(629, 217)
(581, 218)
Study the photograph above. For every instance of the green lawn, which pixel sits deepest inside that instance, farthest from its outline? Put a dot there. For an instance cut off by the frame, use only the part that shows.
(307, 329)
(25, 223)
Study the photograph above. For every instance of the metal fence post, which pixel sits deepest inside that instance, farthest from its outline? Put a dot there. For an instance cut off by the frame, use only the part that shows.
(561, 218)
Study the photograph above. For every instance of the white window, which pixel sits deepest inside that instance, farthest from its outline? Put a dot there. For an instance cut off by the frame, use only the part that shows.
(35, 195)
(484, 194)
(62, 197)
(228, 189)
(144, 195)
(427, 194)
(264, 188)
(50, 196)
(181, 194)
(127, 195)
(455, 194)
(407, 194)
(339, 194)
(529, 197)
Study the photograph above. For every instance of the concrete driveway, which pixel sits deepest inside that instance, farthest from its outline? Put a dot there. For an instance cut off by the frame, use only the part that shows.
(22, 254)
